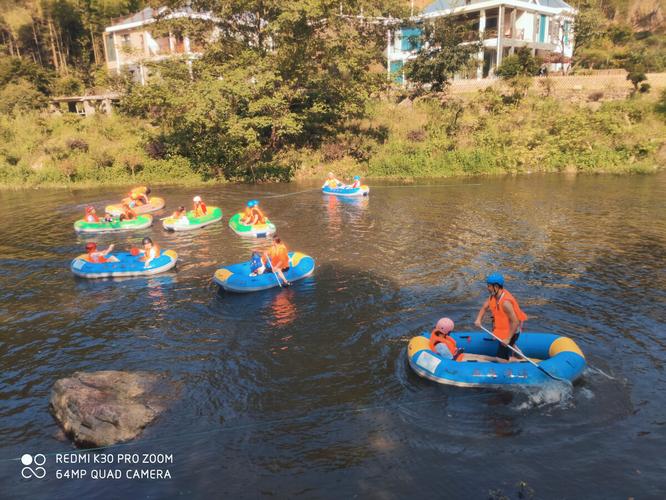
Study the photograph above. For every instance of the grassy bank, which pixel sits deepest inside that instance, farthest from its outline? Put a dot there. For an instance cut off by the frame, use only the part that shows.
(491, 134)
(487, 133)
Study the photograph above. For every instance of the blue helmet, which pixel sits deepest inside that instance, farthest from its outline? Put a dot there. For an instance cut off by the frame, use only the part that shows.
(252, 203)
(357, 178)
(495, 279)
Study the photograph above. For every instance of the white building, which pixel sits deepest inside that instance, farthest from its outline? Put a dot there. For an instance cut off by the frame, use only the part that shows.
(129, 42)
(544, 26)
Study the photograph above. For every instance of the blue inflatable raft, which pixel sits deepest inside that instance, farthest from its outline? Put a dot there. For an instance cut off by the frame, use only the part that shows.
(236, 277)
(558, 355)
(346, 191)
(127, 265)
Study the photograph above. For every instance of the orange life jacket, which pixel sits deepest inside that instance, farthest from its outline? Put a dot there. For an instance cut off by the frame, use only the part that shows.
(92, 218)
(200, 210)
(279, 256)
(500, 318)
(129, 213)
(448, 341)
(261, 218)
(96, 257)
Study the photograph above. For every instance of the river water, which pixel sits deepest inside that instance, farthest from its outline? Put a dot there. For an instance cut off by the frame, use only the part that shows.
(306, 391)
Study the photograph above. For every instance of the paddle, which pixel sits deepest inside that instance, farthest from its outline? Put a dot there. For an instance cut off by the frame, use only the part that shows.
(268, 261)
(520, 353)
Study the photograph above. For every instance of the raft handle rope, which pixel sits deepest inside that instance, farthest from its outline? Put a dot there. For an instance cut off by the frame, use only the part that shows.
(520, 353)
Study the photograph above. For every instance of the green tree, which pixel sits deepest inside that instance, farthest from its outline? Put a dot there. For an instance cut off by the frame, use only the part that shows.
(443, 53)
(522, 63)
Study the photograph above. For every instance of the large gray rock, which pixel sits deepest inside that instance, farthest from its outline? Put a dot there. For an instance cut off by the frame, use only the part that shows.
(107, 407)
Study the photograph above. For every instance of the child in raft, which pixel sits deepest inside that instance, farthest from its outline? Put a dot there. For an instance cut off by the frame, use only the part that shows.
(253, 214)
(331, 181)
(256, 263)
(249, 215)
(150, 251)
(99, 257)
(200, 208)
(356, 183)
(91, 215)
(138, 196)
(180, 214)
(442, 343)
(127, 212)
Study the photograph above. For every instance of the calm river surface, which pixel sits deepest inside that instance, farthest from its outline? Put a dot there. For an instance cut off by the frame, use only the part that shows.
(306, 391)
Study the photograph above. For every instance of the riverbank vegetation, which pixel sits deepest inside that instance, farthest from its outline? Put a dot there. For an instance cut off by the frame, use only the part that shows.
(303, 92)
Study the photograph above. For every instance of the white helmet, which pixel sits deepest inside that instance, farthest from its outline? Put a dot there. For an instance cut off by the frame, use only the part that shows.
(196, 199)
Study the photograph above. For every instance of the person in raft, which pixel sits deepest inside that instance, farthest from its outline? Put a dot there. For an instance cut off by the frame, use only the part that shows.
(99, 256)
(180, 213)
(331, 181)
(277, 259)
(356, 183)
(150, 251)
(257, 266)
(127, 212)
(199, 207)
(508, 318)
(258, 216)
(139, 196)
(250, 216)
(91, 215)
(442, 343)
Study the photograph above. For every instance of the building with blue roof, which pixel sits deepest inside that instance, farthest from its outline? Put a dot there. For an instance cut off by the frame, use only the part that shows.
(543, 26)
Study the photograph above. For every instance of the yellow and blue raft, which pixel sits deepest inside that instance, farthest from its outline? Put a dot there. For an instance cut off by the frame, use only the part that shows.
(560, 356)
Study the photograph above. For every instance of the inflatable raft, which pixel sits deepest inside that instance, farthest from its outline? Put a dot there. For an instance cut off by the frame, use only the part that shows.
(346, 191)
(236, 277)
(557, 355)
(127, 265)
(190, 222)
(141, 222)
(154, 204)
(255, 230)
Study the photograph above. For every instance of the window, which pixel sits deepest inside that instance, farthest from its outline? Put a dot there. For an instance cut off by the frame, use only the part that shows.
(110, 48)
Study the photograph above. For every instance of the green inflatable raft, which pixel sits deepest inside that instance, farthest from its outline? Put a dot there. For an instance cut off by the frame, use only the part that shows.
(255, 231)
(141, 222)
(189, 222)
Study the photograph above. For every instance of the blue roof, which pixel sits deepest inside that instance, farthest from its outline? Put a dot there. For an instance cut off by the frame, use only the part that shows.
(439, 5)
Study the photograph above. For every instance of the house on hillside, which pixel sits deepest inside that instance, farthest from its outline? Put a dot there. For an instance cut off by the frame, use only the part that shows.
(130, 42)
(544, 26)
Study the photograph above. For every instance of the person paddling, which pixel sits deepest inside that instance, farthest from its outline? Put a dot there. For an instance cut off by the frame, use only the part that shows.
(277, 259)
(508, 318)
(442, 343)
(356, 183)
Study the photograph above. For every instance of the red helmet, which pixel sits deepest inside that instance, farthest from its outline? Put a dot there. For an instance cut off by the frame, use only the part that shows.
(91, 247)
(89, 209)
(444, 325)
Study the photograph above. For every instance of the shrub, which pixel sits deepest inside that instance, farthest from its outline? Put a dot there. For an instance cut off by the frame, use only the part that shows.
(522, 63)
(77, 145)
(595, 96)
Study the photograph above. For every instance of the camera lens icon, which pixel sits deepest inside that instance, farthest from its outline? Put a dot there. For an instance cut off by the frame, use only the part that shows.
(38, 471)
